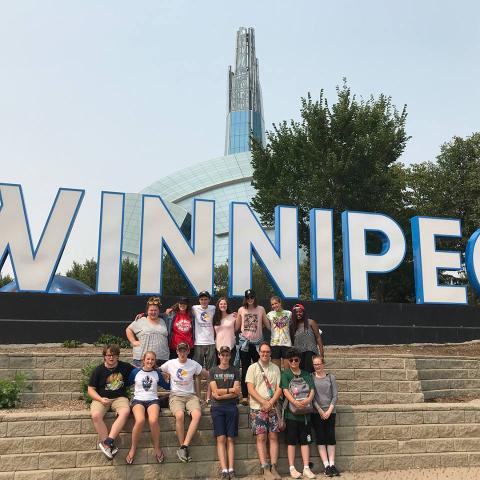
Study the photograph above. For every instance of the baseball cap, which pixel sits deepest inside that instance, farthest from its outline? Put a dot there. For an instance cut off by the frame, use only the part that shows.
(184, 301)
(299, 306)
(204, 293)
(183, 346)
(224, 349)
(250, 293)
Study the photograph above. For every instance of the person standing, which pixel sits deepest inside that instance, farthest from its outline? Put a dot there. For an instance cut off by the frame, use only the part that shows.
(323, 419)
(225, 386)
(298, 389)
(149, 333)
(250, 319)
(108, 391)
(181, 326)
(224, 325)
(263, 383)
(306, 336)
(182, 397)
(280, 327)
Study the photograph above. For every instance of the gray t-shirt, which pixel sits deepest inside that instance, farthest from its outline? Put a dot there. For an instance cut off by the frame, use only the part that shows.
(152, 337)
(224, 379)
(326, 391)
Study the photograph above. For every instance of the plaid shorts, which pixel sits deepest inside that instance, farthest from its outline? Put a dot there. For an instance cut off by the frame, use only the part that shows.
(264, 422)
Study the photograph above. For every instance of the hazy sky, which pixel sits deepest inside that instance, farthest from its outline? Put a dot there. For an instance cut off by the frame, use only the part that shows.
(112, 95)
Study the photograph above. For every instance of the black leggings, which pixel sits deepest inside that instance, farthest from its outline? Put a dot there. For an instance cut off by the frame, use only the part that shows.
(306, 362)
(246, 359)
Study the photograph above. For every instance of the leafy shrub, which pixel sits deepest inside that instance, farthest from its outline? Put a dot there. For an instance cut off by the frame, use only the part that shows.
(71, 344)
(11, 390)
(84, 380)
(108, 338)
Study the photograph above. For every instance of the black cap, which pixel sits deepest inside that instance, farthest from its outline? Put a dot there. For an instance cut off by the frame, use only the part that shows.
(250, 293)
(204, 293)
(225, 348)
(184, 301)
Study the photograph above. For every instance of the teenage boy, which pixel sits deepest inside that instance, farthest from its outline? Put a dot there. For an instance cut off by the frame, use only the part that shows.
(182, 371)
(297, 431)
(107, 389)
(263, 383)
(225, 386)
(204, 352)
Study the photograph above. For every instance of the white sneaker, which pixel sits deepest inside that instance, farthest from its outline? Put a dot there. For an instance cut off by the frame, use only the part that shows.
(294, 473)
(308, 473)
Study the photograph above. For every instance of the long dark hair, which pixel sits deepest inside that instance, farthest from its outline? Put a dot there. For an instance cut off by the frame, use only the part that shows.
(176, 308)
(294, 321)
(218, 314)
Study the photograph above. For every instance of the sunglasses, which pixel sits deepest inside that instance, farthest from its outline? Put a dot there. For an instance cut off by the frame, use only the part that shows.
(294, 360)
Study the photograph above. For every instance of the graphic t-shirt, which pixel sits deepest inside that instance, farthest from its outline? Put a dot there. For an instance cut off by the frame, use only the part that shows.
(204, 334)
(280, 323)
(287, 376)
(224, 379)
(111, 383)
(153, 336)
(252, 322)
(254, 376)
(225, 332)
(182, 330)
(146, 384)
(181, 375)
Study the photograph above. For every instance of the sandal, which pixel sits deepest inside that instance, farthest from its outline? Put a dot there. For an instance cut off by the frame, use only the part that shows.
(129, 459)
(160, 458)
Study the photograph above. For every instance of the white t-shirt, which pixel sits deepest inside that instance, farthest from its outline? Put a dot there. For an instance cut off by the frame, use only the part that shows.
(280, 323)
(204, 333)
(181, 375)
(146, 384)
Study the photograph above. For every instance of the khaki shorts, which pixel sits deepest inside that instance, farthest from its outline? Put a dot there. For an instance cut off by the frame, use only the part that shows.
(184, 402)
(117, 403)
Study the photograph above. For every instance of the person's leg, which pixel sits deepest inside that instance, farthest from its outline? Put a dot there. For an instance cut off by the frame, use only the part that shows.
(97, 414)
(222, 452)
(117, 426)
(273, 441)
(180, 426)
(231, 452)
(139, 415)
(192, 428)
(305, 450)
(291, 455)
(153, 413)
(261, 441)
(308, 363)
(331, 454)
(245, 363)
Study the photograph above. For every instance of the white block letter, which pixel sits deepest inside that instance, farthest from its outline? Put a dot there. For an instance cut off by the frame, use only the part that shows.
(357, 262)
(428, 260)
(279, 261)
(34, 268)
(109, 261)
(159, 230)
(322, 266)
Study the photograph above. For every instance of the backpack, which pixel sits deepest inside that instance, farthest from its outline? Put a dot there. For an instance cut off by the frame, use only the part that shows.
(299, 389)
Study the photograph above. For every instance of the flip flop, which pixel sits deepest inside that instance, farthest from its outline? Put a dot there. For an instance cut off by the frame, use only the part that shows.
(129, 459)
(160, 458)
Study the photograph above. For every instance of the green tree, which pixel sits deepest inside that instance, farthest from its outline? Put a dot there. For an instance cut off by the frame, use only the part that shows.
(86, 272)
(343, 157)
(4, 280)
(129, 277)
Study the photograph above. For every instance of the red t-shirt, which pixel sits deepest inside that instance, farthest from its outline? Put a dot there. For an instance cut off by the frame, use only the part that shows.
(182, 330)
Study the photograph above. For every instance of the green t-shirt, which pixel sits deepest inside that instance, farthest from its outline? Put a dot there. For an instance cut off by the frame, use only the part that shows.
(287, 375)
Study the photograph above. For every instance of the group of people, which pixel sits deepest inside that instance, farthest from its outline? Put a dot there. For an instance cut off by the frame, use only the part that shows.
(176, 349)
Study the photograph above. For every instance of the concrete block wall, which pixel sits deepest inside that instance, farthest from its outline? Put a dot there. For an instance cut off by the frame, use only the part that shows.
(63, 445)
(361, 378)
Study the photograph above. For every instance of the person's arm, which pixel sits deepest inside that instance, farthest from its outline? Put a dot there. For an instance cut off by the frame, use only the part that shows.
(264, 402)
(265, 320)
(238, 320)
(224, 393)
(318, 337)
(161, 381)
(333, 402)
(131, 337)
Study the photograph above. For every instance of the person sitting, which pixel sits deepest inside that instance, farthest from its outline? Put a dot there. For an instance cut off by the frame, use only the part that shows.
(107, 388)
(182, 372)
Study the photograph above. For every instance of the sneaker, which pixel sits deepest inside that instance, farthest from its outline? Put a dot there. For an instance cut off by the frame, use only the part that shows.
(294, 473)
(334, 471)
(275, 473)
(225, 476)
(308, 473)
(114, 449)
(182, 454)
(231, 474)
(105, 448)
(328, 471)
(267, 474)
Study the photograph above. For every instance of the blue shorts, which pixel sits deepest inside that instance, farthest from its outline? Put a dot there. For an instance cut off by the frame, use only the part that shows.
(225, 420)
(145, 403)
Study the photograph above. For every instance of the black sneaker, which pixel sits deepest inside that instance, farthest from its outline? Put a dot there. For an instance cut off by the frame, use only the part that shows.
(114, 449)
(105, 448)
(182, 454)
(334, 471)
(328, 471)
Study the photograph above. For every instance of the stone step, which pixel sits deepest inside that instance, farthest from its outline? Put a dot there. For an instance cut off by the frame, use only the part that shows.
(450, 373)
(446, 363)
(462, 392)
(450, 384)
